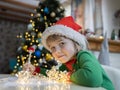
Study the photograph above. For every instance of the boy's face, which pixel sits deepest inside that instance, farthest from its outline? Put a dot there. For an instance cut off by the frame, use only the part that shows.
(63, 49)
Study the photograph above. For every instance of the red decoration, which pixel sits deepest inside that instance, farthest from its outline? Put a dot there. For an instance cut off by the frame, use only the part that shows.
(31, 49)
(37, 70)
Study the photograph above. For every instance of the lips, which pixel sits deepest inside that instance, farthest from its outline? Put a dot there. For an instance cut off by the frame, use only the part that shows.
(61, 56)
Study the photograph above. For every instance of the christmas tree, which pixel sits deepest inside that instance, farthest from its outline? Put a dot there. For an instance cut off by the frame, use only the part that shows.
(47, 13)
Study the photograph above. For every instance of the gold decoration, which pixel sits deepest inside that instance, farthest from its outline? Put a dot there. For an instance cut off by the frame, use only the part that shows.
(45, 18)
(48, 56)
(39, 35)
(25, 47)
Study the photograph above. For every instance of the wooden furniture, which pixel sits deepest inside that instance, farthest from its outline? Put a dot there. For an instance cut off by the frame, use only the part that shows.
(95, 44)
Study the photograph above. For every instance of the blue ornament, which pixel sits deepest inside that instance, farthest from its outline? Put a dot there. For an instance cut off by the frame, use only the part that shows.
(46, 10)
(37, 53)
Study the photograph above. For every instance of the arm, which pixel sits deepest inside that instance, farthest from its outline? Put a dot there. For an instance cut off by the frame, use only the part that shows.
(34, 69)
(89, 72)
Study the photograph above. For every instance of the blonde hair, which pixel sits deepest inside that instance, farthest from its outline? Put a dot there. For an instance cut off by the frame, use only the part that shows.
(55, 37)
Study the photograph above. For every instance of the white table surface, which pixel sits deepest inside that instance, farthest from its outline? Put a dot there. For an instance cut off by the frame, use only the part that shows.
(44, 87)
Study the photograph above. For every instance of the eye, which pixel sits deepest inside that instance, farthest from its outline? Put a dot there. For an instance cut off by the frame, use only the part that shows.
(53, 49)
(62, 44)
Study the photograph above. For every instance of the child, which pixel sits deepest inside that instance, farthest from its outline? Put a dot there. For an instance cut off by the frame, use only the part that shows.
(68, 46)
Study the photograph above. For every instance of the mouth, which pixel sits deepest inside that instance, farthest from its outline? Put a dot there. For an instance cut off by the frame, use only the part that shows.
(61, 56)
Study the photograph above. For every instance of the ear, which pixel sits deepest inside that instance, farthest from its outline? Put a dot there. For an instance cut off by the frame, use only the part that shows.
(78, 48)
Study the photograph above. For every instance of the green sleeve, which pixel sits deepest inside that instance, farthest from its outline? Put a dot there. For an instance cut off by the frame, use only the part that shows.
(89, 72)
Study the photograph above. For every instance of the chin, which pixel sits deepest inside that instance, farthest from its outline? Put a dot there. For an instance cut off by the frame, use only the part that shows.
(65, 62)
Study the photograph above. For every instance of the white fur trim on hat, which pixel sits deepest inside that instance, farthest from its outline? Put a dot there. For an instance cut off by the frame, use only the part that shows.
(64, 31)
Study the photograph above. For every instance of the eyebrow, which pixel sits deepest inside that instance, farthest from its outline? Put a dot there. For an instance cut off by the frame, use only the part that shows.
(58, 40)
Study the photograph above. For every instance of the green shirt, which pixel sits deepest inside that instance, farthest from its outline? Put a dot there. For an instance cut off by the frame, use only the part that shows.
(88, 72)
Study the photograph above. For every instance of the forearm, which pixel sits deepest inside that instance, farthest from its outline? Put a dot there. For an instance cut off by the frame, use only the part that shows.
(86, 77)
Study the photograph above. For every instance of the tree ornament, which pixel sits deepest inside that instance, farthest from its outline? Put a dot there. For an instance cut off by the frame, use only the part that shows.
(48, 57)
(29, 27)
(37, 53)
(39, 35)
(46, 10)
(40, 47)
(52, 14)
(25, 47)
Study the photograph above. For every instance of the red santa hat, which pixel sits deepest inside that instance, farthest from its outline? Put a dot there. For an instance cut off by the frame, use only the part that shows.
(65, 27)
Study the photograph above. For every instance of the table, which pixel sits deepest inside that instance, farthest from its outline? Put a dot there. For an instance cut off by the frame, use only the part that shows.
(71, 86)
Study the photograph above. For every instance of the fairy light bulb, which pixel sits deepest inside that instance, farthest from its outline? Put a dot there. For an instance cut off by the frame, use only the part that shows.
(33, 41)
(37, 64)
(20, 36)
(32, 14)
(35, 61)
(26, 33)
(38, 18)
(45, 18)
(31, 44)
(18, 57)
(18, 60)
(30, 20)
(42, 10)
(33, 29)
(17, 36)
(33, 24)
(17, 64)
(38, 45)
(42, 54)
(36, 41)
(36, 30)
(21, 66)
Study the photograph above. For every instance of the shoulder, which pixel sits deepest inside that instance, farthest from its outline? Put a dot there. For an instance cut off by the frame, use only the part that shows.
(85, 56)
(84, 52)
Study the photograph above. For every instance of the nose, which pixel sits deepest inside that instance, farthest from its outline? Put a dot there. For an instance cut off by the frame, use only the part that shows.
(58, 49)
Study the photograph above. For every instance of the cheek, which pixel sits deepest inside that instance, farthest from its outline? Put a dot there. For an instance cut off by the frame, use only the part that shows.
(54, 55)
(69, 49)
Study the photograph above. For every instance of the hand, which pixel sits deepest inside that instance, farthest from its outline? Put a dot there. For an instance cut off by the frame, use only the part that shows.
(29, 67)
(69, 74)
